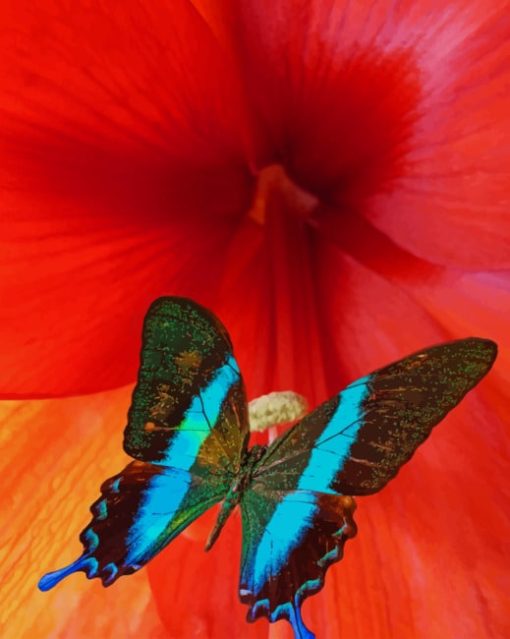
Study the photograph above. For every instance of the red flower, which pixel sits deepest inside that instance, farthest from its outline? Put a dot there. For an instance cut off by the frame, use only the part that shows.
(331, 178)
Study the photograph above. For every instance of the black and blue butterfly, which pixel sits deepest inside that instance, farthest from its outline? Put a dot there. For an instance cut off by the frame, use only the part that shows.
(188, 433)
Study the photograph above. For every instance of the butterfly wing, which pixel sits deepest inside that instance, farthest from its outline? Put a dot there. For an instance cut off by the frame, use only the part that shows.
(295, 517)
(187, 429)
(289, 540)
(139, 512)
(189, 406)
(356, 442)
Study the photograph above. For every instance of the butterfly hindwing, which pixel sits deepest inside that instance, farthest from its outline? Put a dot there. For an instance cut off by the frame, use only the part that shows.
(139, 512)
(296, 513)
(289, 540)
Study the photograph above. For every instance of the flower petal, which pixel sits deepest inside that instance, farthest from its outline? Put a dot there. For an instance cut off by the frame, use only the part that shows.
(146, 79)
(267, 300)
(398, 112)
(365, 316)
(76, 294)
(462, 303)
(124, 161)
(54, 455)
(197, 592)
(475, 304)
(451, 205)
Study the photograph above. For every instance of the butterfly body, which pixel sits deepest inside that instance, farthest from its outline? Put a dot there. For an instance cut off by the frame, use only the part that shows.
(188, 433)
(235, 494)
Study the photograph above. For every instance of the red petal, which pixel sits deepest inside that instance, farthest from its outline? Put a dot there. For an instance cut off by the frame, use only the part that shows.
(121, 141)
(268, 303)
(368, 320)
(472, 304)
(462, 303)
(452, 202)
(152, 80)
(197, 592)
(77, 291)
(397, 112)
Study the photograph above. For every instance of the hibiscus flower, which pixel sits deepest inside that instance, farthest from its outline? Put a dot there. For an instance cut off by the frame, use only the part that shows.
(331, 178)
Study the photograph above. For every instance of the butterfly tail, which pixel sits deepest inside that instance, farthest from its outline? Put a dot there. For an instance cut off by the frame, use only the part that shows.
(85, 564)
(297, 623)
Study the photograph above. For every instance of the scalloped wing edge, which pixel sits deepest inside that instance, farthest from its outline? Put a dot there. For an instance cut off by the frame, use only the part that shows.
(291, 611)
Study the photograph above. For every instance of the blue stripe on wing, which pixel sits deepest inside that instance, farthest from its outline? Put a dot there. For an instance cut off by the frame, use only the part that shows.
(320, 544)
(162, 499)
(294, 514)
(334, 444)
(200, 418)
(289, 611)
(140, 511)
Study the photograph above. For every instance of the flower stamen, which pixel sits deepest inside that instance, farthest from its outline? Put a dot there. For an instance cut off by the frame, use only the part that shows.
(275, 408)
(273, 180)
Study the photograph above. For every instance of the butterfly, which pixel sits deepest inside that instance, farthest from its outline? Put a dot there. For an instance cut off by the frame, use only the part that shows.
(188, 434)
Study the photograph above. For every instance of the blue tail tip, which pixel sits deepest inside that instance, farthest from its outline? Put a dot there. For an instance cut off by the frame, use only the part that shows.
(296, 620)
(51, 579)
(47, 581)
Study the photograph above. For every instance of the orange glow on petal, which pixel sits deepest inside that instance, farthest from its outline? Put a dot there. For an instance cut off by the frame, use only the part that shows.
(54, 455)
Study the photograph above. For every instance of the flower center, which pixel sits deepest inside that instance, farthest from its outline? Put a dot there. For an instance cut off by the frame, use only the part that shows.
(276, 189)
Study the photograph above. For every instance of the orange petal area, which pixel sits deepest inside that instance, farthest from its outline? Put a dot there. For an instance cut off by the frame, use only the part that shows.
(54, 455)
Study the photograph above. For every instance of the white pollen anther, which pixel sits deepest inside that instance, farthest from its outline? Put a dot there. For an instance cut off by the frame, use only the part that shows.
(275, 408)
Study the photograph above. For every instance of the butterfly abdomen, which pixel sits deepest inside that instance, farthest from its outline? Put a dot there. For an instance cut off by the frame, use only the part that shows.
(239, 485)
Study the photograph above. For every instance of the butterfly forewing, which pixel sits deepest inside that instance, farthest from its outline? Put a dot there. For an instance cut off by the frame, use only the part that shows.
(189, 404)
(356, 442)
